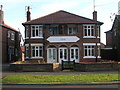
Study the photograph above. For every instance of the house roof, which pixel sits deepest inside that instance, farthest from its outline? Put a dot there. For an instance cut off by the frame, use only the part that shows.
(9, 27)
(62, 17)
(110, 31)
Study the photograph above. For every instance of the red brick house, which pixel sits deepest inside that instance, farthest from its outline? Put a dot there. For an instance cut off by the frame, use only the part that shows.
(109, 39)
(9, 41)
(62, 36)
(116, 35)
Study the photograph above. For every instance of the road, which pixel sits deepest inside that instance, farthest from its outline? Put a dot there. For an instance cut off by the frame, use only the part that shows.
(61, 86)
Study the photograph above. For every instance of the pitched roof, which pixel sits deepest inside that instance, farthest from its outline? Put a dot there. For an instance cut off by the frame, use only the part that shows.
(110, 31)
(9, 27)
(61, 17)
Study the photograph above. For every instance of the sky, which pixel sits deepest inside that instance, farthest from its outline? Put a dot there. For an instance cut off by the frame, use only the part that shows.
(15, 11)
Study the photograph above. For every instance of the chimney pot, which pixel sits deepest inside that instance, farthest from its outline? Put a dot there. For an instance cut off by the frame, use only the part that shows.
(95, 15)
(28, 14)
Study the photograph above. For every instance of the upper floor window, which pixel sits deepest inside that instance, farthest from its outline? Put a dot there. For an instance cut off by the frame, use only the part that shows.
(88, 31)
(37, 31)
(72, 30)
(8, 34)
(98, 30)
(54, 30)
(12, 36)
(26, 32)
(115, 32)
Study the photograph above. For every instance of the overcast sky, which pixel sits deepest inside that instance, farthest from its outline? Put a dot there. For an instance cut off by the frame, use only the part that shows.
(15, 11)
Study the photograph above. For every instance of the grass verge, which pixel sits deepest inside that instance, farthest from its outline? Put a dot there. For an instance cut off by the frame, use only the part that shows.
(61, 78)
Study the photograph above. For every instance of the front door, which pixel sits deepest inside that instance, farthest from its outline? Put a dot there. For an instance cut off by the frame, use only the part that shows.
(52, 55)
(63, 54)
(74, 54)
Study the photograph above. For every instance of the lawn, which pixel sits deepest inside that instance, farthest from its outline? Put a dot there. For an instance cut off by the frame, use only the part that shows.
(61, 78)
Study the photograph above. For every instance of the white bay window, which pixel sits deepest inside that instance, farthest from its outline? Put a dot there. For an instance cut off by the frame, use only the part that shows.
(89, 50)
(37, 51)
(89, 31)
(37, 31)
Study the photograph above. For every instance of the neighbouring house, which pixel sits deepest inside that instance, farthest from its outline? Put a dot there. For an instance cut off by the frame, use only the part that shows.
(108, 39)
(116, 35)
(62, 36)
(9, 41)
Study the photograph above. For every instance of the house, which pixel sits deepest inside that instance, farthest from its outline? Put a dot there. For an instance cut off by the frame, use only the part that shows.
(9, 41)
(62, 36)
(116, 35)
(108, 39)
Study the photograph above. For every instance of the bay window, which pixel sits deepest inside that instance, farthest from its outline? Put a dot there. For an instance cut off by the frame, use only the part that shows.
(37, 31)
(37, 51)
(89, 31)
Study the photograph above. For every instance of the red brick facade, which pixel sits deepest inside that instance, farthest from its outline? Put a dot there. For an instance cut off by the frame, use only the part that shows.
(10, 42)
(64, 36)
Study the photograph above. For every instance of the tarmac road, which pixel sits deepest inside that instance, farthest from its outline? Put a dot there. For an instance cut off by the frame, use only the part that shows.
(61, 86)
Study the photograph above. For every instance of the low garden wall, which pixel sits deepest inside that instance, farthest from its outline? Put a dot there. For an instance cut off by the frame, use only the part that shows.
(53, 67)
(50, 67)
(97, 66)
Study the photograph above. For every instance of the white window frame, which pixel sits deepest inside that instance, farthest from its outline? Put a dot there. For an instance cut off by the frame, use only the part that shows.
(89, 36)
(74, 48)
(98, 30)
(8, 34)
(89, 55)
(37, 45)
(73, 29)
(40, 31)
(12, 36)
(27, 51)
(53, 57)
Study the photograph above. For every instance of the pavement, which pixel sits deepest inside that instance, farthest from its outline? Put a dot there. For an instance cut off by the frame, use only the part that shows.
(6, 72)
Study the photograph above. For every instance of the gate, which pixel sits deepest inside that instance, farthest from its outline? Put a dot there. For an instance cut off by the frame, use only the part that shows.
(68, 64)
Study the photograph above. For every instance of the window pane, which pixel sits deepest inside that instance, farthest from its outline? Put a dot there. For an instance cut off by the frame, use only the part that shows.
(61, 53)
(54, 54)
(40, 51)
(37, 33)
(65, 53)
(76, 53)
(33, 33)
(72, 53)
(50, 54)
(85, 52)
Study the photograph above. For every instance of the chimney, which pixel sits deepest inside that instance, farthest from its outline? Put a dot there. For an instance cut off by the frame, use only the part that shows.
(28, 14)
(95, 15)
(1, 15)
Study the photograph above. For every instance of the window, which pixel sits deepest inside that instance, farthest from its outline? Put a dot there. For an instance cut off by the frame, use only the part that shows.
(37, 51)
(12, 36)
(26, 51)
(27, 32)
(72, 30)
(89, 50)
(8, 34)
(115, 32)
(98, 29)
(88, 30)
(54, 30)
(37, 31)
